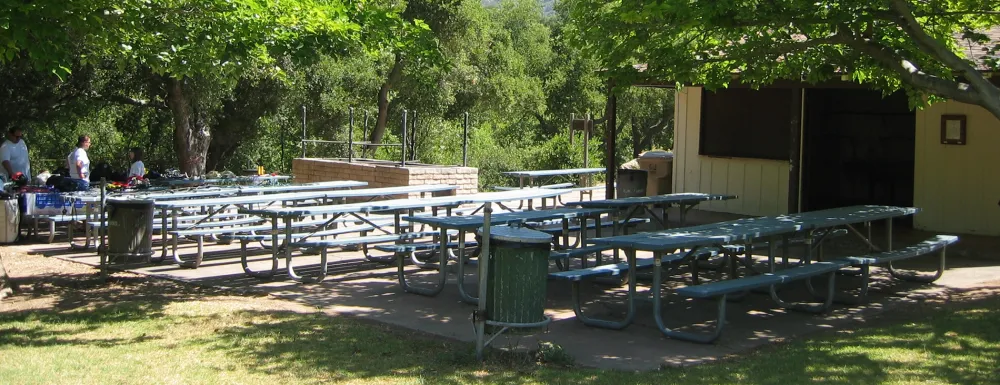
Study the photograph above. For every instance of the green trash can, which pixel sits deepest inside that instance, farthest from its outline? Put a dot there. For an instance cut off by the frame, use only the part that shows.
(130, 230)
(517, 279)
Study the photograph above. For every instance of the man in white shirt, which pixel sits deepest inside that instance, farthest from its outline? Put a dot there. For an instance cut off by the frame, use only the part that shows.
(14, 155)
(78, 162)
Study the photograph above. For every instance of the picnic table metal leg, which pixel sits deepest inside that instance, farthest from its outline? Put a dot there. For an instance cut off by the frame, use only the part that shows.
(809, 308)
(198, 257)
(658, 304)
(913, 277)
(174, 239)
(630, 301)
(462, 259)
(426, 291)
(288, 259)
(274, 259)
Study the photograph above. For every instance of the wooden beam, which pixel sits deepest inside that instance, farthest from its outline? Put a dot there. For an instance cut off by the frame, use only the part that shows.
(794, 151)
(610, 128)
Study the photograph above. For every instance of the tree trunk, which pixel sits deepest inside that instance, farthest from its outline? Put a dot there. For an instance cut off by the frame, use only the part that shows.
(191, 133)
(383, 100)
(7, 286)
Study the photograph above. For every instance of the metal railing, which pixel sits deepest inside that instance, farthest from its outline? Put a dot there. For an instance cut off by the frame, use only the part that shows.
(408, 144)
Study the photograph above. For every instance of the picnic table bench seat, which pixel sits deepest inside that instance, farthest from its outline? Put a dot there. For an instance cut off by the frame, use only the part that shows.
(936, 244)
(616, 269)
(52, 220)
(576, 277)
(158, 220)
(735, 249)
(323, 246)
(511, 188)
(556, 228)
(720, 290)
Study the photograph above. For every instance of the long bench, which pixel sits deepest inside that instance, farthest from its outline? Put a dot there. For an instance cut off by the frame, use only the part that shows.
(719, 290)
(937, 244)
(576, 277)
(558, 230)
(53, 220)
(817, 243)
(324, 245)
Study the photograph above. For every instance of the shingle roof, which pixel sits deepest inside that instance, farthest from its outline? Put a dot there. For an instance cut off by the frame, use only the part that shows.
(977, 52)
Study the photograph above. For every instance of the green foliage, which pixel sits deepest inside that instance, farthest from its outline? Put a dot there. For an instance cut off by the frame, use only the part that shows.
(889, 44)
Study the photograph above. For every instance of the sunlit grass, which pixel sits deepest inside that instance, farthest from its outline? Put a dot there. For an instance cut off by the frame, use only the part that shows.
(209, 342)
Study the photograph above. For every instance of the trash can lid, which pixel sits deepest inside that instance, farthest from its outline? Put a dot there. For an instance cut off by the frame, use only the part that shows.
(517, 234)
(657, 154)
(130, 202)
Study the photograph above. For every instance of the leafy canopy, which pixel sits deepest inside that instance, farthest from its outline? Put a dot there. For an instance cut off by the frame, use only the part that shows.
(185, 38)
(917, 45)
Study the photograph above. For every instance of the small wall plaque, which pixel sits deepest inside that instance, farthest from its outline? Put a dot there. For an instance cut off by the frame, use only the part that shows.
(953, 129)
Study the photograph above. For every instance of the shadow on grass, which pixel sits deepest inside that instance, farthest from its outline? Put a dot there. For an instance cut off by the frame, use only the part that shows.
(957, 344)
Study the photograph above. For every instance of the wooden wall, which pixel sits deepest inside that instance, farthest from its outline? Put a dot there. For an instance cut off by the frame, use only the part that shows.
(957, 186)
(762, 185)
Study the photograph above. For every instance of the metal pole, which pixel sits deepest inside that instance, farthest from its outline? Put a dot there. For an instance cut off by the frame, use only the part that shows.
(465, 141)
(364, 134)
(484, 270)
(586, 141)
(102, 248)
(350, 136)
(303, 130)
(402, 147)
(413, 137)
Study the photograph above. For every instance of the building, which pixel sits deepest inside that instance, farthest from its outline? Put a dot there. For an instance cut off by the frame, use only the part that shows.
(854, 147)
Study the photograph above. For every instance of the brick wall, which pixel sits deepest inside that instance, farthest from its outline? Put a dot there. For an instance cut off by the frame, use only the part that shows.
(307, 170)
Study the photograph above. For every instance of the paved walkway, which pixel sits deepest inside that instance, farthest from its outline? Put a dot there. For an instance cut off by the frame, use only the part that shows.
(369, 290)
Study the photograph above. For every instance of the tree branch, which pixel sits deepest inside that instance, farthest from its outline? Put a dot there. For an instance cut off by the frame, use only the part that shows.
(131, 101)
(937, 49)
(912, 75)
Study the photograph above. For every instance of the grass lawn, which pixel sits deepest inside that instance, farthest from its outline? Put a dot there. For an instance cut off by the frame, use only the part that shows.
(130, 332)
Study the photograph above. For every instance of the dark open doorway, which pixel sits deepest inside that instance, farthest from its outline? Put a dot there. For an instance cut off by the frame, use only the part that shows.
(858, 149)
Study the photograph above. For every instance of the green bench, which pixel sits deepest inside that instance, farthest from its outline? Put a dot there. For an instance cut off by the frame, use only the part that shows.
(576, 277)
(323, 246)
(937, 244)
(719, 290)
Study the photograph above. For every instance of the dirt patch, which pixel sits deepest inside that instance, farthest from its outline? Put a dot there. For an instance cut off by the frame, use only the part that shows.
(54, 284)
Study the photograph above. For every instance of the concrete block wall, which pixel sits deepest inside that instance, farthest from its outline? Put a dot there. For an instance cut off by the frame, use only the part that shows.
(307, 170)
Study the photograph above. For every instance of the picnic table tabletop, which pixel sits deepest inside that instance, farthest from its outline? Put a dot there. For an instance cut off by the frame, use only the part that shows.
(339, 184)
(704, 235)
(678, 198)
(243, 199)
(569, 171)
(471, 222)
(405, 204)
(215, 181)
(752, 228)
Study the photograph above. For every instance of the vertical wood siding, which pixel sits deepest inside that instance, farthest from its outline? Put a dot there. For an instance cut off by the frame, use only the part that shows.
(762, 185)
(957, 186)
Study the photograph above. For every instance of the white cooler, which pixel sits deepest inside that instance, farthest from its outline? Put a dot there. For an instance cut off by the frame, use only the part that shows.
(10, 220)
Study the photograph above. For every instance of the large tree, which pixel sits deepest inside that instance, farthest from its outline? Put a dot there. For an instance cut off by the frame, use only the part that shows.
(931, 48)
(198, 49)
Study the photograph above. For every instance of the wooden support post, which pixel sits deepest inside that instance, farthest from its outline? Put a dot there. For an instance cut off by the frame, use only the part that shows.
(611, 112)
(794, 151)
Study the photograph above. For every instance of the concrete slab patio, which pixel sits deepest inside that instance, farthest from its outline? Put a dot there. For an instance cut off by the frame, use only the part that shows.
(370, 290)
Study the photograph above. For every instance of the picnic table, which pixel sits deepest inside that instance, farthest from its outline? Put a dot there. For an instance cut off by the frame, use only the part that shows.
(397, 207)
(465, 224)
(634, 205)
(217, 181)
(91, 200)
(532, 175)
(217, 205)
(717, 235)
